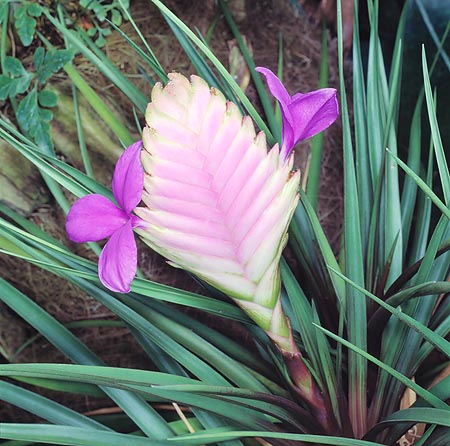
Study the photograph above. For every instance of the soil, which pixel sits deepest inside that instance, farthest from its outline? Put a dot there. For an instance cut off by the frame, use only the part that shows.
(262, 22)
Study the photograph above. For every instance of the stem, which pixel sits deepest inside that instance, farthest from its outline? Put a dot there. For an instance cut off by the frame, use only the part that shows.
(278, 328)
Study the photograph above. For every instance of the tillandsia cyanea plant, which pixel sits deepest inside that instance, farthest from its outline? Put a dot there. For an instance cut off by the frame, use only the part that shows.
(217, 203)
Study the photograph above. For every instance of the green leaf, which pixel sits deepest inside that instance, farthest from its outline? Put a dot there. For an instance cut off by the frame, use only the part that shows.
(68, 435)
(5, 86)
(53, 61)
(439, 342)
(428, 396)
(97, 58)
(38, 57)
(47, 98)
(356, 307)
(426, 189)
(413, 415)
(25, 25)
(142, 414)
(45, 408)
(13, 66)
(20, 85)
(34, 120)
(116, 17)
(18, 80)
(34, 9)
(437, 142)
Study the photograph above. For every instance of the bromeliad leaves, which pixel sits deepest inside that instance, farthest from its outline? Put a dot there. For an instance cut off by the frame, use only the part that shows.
(33, 114)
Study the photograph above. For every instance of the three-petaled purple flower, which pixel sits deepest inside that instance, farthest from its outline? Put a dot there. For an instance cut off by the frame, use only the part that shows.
(303, 115)
(94, 217)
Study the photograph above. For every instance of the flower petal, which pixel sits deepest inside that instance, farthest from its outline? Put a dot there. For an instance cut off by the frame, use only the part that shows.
(313, 112)
(276, 87)
(93, 218)
(118, 261)
(303, 115)
(128, 179)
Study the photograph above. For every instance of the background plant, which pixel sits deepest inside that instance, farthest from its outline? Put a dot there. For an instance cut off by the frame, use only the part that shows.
(367, 322)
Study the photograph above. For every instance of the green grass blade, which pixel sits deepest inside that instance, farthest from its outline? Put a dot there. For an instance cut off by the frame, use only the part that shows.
(98, 59)
(393, 238)
(363, 177)
(422, 185)
(67, 435)
(220, 68)
(437, 142)
(354, 266)
(439, 342)
(432, 31)
(312, 188)
(81, 141)
(85, 437)
(429, 397)
(45, 408)
(139, 411)
(262, 92)
(409, 192)
(99, 106)
(413, 415)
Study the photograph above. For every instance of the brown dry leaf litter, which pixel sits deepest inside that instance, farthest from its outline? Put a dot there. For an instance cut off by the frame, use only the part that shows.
(261, 23)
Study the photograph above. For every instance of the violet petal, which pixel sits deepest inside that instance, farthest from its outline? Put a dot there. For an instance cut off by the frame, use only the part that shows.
(93, 218)
(128, 179)
(313, 112)
(117, 264)
(276, 87)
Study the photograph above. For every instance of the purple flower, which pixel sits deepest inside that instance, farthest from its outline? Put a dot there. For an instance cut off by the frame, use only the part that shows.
(303, 115)
(95, 217)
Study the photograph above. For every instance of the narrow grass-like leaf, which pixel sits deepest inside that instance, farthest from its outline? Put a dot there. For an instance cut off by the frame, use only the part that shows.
(67, 435)
(425, 188)
(158, 384)
(89, 437)
(393, 238)
(262, 92)
(102, 63)
(432, 31)
(381, 317)
(429, 335)
(99, 106)
(80, 134)
(196, 344)
(354, 266)
(150, 58)
(137, 409)
(220, 68)
(409, 192)
(413, 415)
(315, 165)
(420, 391)
(316, 346)
(45, 408)
(437, 142)
(43, 165)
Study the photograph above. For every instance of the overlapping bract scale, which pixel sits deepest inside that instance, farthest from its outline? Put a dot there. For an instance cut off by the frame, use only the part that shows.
(217, 203)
